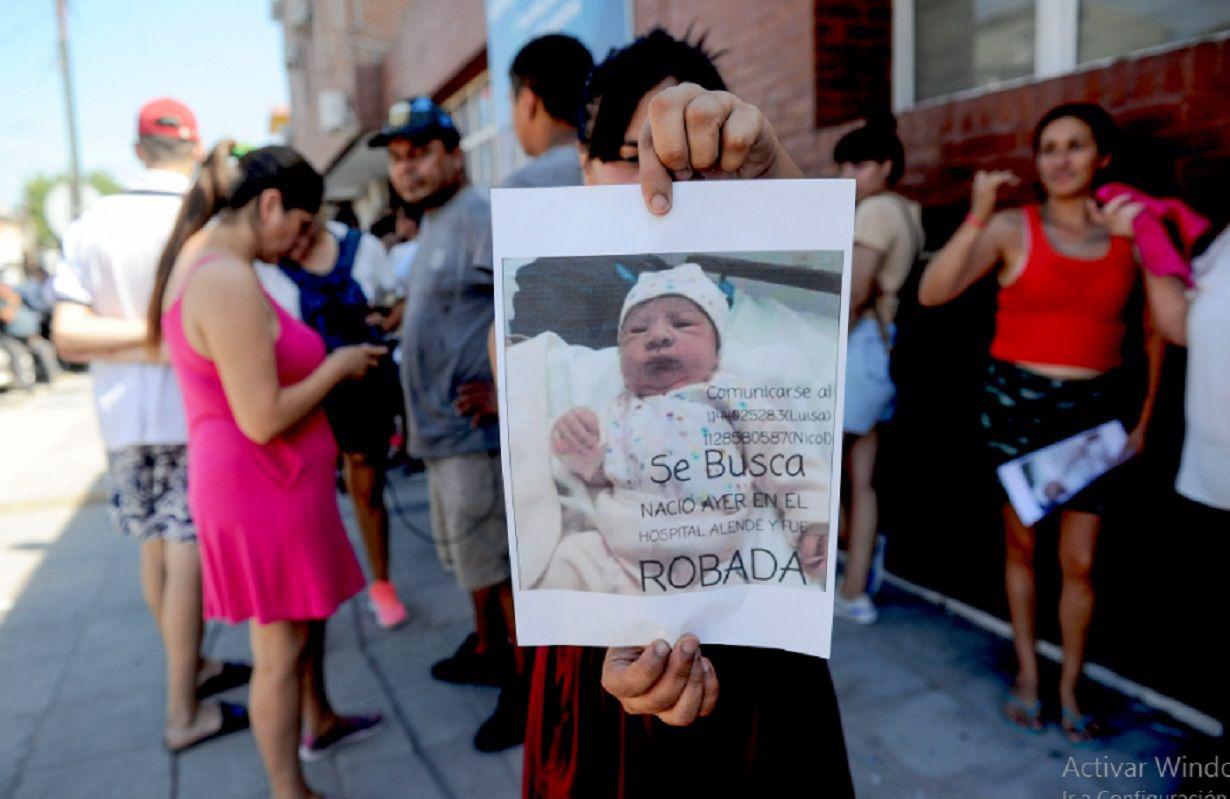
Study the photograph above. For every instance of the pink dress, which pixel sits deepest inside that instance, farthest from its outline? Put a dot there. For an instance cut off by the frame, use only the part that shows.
(272, 542)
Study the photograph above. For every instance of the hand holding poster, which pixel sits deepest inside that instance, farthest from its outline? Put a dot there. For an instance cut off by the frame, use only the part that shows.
(670, 405)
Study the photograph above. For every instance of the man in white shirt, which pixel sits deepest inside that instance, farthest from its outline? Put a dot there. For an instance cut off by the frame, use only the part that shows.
(102, 291)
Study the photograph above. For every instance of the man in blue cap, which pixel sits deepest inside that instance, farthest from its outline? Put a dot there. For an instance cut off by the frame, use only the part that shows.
(450, 394)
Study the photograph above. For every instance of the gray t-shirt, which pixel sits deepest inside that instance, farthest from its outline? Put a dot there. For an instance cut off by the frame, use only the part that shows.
(449, 307)
(558, 166)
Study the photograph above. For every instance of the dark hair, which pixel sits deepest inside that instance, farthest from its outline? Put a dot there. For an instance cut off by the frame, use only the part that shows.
(344, 213)
(1099, 120)
(384, 226)
(166, 149)
(412, 211)
(554, 67)
(225, 184)
(616, 85)
(876, 140)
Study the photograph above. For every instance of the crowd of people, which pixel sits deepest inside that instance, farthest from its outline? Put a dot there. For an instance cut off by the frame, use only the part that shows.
(241, 344)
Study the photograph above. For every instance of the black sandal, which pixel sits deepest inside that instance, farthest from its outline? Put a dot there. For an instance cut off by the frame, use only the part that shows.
(231, 676)
(234, 719)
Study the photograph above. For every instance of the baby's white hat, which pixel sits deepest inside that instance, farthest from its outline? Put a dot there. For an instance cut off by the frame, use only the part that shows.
(685, 280)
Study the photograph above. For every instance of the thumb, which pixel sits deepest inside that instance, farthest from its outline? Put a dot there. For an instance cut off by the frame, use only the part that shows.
(655, 178)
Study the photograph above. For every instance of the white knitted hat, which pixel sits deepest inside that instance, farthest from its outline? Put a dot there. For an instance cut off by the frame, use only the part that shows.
(685, 280)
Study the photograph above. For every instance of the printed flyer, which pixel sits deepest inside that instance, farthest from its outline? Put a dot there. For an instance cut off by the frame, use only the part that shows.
(1041, 481)
(670, 399)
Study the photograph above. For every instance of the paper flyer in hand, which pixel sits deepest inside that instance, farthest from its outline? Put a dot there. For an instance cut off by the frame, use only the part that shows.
(1041, 481)
(670, 406)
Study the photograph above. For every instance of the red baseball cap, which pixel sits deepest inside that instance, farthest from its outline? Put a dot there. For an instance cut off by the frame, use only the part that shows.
(169, 118)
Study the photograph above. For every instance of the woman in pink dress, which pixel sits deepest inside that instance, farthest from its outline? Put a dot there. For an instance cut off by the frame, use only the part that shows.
(260, 453)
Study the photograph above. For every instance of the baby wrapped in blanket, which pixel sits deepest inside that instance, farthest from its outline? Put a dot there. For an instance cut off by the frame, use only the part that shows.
(696, 478)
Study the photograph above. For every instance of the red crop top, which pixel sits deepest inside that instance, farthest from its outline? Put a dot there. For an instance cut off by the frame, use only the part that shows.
(1063, 310)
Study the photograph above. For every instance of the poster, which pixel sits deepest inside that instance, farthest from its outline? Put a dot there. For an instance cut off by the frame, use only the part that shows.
(1041, 481)
(670, 400)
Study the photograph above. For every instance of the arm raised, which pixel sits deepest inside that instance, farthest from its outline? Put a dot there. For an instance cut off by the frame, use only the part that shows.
(978, 245)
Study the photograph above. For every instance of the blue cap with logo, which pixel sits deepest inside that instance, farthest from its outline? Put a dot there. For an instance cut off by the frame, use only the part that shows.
(418, 119)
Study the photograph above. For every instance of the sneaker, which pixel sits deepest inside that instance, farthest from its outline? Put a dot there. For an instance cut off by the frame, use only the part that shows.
(349, 730)
(467, 667)
(859, 610)
(382, 599)
(506, 726)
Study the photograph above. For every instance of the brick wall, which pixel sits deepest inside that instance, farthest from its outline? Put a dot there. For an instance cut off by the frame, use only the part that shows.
(436, 40)
(853, 74)
(769, 60)
(344, 47)
(1174, 110)
(812, 66)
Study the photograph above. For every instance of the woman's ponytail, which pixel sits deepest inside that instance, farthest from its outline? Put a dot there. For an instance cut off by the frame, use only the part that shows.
(208, 196)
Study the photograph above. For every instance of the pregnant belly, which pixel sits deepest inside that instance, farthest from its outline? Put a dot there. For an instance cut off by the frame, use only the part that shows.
(224, 460)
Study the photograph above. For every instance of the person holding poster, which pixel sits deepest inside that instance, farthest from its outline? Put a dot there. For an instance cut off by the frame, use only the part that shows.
(1067, 270)
(649, 721)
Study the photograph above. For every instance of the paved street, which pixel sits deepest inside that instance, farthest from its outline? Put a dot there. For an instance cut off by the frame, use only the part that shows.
(81, 682)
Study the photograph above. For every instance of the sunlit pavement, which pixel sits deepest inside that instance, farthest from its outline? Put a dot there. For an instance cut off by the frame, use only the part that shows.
(81, 680)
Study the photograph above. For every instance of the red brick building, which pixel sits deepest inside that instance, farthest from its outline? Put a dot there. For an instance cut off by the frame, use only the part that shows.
(967, 79)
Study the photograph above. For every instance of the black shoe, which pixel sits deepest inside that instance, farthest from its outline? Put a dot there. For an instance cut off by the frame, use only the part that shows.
(506, 726)
(467, 667)
(231, 676)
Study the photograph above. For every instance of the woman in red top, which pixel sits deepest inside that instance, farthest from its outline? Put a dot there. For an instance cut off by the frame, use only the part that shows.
(1066, 271)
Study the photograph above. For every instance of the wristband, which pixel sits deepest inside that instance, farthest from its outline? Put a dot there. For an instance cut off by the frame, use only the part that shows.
(972, 219)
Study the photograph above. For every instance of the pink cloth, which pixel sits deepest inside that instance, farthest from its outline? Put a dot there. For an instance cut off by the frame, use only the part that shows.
(1157, 251)
(272, 542)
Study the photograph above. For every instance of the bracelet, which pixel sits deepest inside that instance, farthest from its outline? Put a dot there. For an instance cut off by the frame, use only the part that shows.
(972, 219)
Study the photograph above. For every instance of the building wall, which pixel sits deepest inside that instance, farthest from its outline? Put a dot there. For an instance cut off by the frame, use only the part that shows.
(768, 58)
(343, 47)
(815, 66)
(1174, 110)
(435, 41)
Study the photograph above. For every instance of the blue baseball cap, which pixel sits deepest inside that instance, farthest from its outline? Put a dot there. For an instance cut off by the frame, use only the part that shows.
(420, 120)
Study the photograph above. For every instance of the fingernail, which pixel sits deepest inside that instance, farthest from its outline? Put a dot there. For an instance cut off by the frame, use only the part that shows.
(690, 646)
(704, 664)
(659, 203)
(661, 648)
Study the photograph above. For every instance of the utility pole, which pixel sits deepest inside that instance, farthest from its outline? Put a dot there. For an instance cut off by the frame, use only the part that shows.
(70, 108)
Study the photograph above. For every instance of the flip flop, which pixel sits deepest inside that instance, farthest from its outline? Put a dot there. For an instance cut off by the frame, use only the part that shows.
(1023, 715)
(231, 676)
(1080, 730)
(234, 719)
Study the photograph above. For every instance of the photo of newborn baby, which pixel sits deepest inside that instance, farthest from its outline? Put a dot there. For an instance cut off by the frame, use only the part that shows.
(679, 472)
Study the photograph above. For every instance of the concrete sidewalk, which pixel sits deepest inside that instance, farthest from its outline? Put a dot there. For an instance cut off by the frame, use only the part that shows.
(81, 682)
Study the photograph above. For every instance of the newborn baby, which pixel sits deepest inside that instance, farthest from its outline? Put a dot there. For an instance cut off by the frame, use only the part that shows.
(676, 466)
